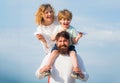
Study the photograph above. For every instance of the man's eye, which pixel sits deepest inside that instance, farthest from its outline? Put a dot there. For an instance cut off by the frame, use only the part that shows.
(65, 40)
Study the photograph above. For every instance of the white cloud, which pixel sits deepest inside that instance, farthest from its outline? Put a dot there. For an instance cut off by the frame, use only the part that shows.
(99, 33)
(101, 38)
(101, 3)
(104, 35)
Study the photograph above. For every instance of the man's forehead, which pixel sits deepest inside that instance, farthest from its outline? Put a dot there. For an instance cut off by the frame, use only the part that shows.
(62, 38)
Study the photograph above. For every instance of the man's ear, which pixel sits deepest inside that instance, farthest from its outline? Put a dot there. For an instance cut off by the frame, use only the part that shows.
(69, 42)
(56, 42)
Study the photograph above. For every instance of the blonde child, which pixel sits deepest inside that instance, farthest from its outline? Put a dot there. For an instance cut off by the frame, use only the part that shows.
(46, 21)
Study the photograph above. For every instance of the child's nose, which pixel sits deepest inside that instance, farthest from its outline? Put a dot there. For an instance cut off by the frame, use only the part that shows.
(49, 13)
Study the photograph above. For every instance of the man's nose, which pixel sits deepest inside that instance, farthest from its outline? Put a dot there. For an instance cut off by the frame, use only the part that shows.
(62, 43)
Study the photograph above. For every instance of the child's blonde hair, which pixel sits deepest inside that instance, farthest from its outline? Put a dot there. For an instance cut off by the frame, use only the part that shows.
(64, 14)
(40, 12)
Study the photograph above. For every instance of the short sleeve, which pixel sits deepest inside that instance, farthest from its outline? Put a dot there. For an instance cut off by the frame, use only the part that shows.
(55, 30)
(38, 31)
(73, 32)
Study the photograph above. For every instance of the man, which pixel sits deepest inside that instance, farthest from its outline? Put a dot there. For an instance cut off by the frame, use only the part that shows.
(62, 66)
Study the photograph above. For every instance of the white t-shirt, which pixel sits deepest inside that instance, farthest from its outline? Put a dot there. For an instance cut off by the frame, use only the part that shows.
(62, 69)
(46, 31)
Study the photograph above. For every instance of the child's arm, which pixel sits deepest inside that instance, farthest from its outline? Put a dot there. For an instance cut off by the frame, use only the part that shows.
(53, 37)
(56, 30)
(42, 39)
(76, 39)
(54, 34)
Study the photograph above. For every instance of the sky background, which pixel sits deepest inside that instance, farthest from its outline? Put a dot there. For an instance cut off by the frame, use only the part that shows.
(21, 53)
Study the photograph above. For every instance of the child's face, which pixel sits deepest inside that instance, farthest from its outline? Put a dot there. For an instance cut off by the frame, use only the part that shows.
(65, 23)
(48, 15)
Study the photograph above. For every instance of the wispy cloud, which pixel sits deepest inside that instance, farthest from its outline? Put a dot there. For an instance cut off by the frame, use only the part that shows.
(98, 32)
(104, 36)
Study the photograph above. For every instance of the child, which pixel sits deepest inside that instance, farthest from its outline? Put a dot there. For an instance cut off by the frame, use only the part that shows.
(64, 18)
(46, 23)
(46, 20)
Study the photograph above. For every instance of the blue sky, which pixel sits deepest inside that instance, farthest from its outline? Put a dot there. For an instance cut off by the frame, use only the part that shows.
(21, 52)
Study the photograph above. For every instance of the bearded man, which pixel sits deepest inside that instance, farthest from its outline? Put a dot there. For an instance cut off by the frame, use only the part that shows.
(62, 67)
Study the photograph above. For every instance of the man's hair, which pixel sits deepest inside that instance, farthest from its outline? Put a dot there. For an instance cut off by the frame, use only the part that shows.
(62, 34)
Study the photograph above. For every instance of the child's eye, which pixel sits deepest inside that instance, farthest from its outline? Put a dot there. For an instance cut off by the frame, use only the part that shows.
(46, 12)
(66, 19)
(51, 11)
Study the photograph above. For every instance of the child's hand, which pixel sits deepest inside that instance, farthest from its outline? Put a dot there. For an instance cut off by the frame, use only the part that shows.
(80, 34)
(39, 36)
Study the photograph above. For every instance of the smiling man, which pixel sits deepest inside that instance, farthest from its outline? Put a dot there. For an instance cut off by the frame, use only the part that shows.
(62, 67)
(62, 42)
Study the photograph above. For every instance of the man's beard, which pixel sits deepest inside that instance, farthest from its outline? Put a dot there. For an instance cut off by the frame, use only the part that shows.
(63, 49)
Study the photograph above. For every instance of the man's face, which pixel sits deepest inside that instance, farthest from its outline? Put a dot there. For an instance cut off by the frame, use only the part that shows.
(62, 45)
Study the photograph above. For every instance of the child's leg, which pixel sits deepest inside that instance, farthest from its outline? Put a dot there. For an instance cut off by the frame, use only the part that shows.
(72, 53)
(52, 57)
(76, 70)
(74, 58)
(51, 60)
